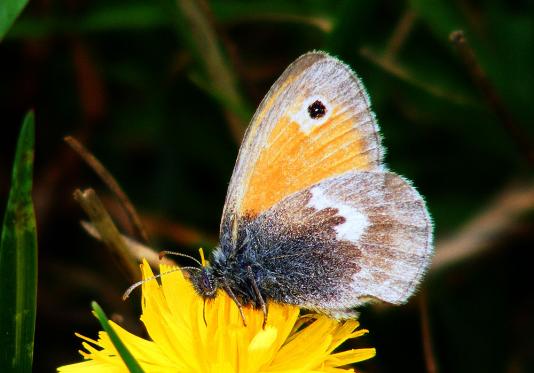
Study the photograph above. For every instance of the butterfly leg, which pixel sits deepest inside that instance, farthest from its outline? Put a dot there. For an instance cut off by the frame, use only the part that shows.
(236, 301)
(258, 294)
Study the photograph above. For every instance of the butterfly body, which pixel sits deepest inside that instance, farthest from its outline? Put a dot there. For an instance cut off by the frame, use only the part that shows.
(312, 216)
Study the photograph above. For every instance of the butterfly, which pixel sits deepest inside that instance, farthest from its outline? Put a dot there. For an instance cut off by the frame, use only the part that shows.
(312, 216)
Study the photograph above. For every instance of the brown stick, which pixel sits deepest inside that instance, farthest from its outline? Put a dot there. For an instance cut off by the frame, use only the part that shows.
(111, 183)
(135, 248)
(430, 360)
(483, 230)
(400, 34)
(516, 132)
(107, 230)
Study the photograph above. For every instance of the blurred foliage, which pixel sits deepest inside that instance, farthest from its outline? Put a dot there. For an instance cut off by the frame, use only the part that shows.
(161, 90)
(9, 11)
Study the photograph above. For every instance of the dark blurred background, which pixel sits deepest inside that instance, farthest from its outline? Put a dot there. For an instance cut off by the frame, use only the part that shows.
(160, 91)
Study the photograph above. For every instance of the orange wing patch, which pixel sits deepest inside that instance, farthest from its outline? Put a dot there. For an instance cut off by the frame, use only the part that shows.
(293, 160)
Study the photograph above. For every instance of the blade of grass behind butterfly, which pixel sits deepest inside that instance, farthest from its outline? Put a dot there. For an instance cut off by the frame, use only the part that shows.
(347, 41)
(9, 11)
(314, 14)
(455, 94)
(127, 357)
(196, 29)
(18, 260)
(441, 17)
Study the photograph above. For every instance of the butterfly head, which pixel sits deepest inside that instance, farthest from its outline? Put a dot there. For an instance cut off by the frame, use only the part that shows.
(205, 282)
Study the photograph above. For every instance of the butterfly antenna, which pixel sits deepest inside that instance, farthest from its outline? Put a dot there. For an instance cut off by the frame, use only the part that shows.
(193, 268)
(139, 283)
(163, 253)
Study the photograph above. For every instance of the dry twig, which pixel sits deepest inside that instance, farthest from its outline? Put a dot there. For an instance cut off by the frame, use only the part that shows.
(107, 230)
(400, 34)
(135, 248)
(430, 360)
(111, 183)
(482, 231)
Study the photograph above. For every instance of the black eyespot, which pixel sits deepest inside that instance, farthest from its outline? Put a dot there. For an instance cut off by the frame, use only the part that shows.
(317, 110)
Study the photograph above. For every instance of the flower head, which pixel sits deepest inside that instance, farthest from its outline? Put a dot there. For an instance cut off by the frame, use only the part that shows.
(182, 342)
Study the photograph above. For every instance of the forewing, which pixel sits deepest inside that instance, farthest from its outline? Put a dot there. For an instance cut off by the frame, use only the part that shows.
(347, 239)
(286, 150)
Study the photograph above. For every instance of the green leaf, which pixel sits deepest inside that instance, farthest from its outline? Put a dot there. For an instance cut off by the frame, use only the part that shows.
(18, 261)
(126, 356)
(9, 11)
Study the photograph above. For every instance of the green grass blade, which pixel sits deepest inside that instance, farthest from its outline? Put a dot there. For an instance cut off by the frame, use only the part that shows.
(18, 261)
(126, 356)
(9, 11)
(216, 73)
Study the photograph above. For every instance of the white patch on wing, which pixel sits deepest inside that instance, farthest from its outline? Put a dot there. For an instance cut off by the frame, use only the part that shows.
(356, 222)
(303, 119)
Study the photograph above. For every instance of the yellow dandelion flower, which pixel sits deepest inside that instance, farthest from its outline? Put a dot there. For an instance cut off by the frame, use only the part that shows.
(182, 342)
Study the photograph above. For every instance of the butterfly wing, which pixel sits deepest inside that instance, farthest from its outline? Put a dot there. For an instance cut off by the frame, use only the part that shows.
(288, 147)
(342, 242)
